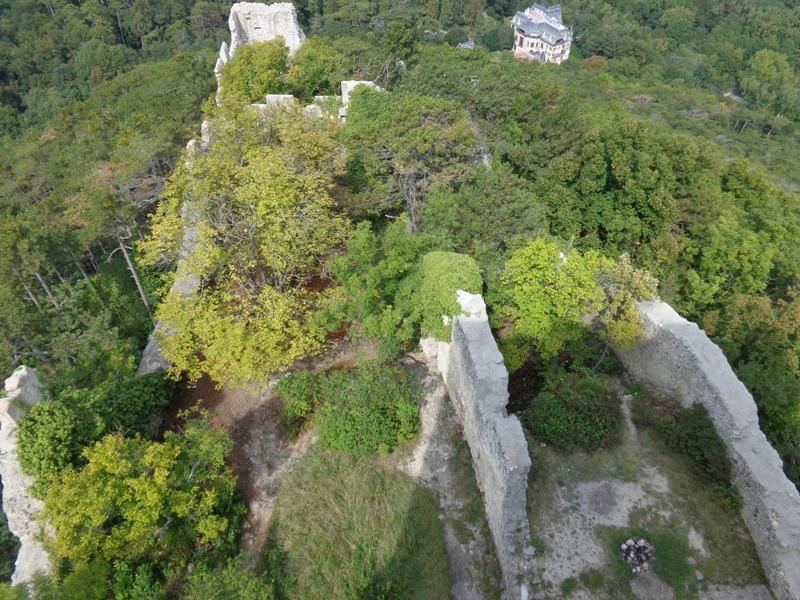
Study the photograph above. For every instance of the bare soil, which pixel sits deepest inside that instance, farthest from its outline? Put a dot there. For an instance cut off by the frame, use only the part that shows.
(263, 450)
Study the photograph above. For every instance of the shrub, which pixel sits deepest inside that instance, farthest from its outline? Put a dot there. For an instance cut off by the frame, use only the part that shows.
(300, 392)
(237, 579)
(575, 411)
(257, 70)
(368, 410)
(51, 437)
(53, 433)
(442, 273)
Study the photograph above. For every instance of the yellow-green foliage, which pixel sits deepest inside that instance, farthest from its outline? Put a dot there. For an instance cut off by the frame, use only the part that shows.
(262, 193)
(257, 70)
(215, 333)
(554, 295)
(443, 273)
(134, 496)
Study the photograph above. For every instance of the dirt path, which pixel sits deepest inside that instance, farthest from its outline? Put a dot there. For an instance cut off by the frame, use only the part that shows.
(262, 450)
(440, 461)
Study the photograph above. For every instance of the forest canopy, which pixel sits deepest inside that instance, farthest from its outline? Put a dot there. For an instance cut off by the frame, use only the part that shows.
(665, 149)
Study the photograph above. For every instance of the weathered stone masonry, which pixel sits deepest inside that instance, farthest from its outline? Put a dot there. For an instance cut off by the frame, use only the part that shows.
(477, 382)
(678, 358)
(22, 393)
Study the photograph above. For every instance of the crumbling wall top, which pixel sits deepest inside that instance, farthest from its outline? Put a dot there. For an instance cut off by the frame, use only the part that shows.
(254, 22)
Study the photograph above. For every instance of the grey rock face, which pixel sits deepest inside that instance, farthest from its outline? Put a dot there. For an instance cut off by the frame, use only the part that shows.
(678, 358)
(22, 392)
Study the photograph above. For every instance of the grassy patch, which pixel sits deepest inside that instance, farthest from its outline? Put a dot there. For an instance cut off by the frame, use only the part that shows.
(731, 555)
(689, 431)
(592, 579)
(670, 562)
(568, 586)
(350, 528)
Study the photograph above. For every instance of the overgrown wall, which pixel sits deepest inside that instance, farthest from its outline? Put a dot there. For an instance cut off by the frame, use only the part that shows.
(678, 358)
(477, 382)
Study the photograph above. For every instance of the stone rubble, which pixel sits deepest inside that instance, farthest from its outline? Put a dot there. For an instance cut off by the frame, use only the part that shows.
(639, 553)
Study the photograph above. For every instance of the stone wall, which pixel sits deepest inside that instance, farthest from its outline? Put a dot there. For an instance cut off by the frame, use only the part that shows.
(678, 358)
(477, 382)
(22, 392)
(251, 22)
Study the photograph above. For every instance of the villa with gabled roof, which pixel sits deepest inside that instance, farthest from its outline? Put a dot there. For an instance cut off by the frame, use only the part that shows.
(540, 35)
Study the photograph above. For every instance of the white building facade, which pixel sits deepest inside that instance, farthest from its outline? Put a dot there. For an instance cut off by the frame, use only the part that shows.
(540, 35)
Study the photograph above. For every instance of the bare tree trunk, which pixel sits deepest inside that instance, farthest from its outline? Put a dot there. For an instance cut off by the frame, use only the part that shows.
(88, 279)
(80, 265)
(30, 293)
(121, 33)
(46, 288)
(411, 202)
(135, 275)
(91, 260)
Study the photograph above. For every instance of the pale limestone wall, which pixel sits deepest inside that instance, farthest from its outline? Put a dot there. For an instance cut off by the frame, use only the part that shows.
(22, 392)
(251, 22)
(678, 358)
(186, 281)
(477, 382)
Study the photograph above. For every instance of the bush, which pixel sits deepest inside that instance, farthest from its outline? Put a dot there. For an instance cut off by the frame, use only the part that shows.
(442, 274)
(575, 411)
(368, 410)
(51, 437)
(300, 392)
(53, 433)
(237, 579)
(256, 71)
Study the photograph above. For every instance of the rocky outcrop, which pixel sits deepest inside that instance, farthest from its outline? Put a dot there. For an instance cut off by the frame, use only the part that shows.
(186, 280)
(678, 358)
(477, 382)
(22, 392)
(251, 22)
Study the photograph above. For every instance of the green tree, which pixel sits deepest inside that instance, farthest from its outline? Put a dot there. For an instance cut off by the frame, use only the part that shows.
(770, 81)
(263, 189)
(554, 295)
(380, 280)
(317, 69)
(441, 275)
(407, 143)
(140, 499)
(256, 70)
